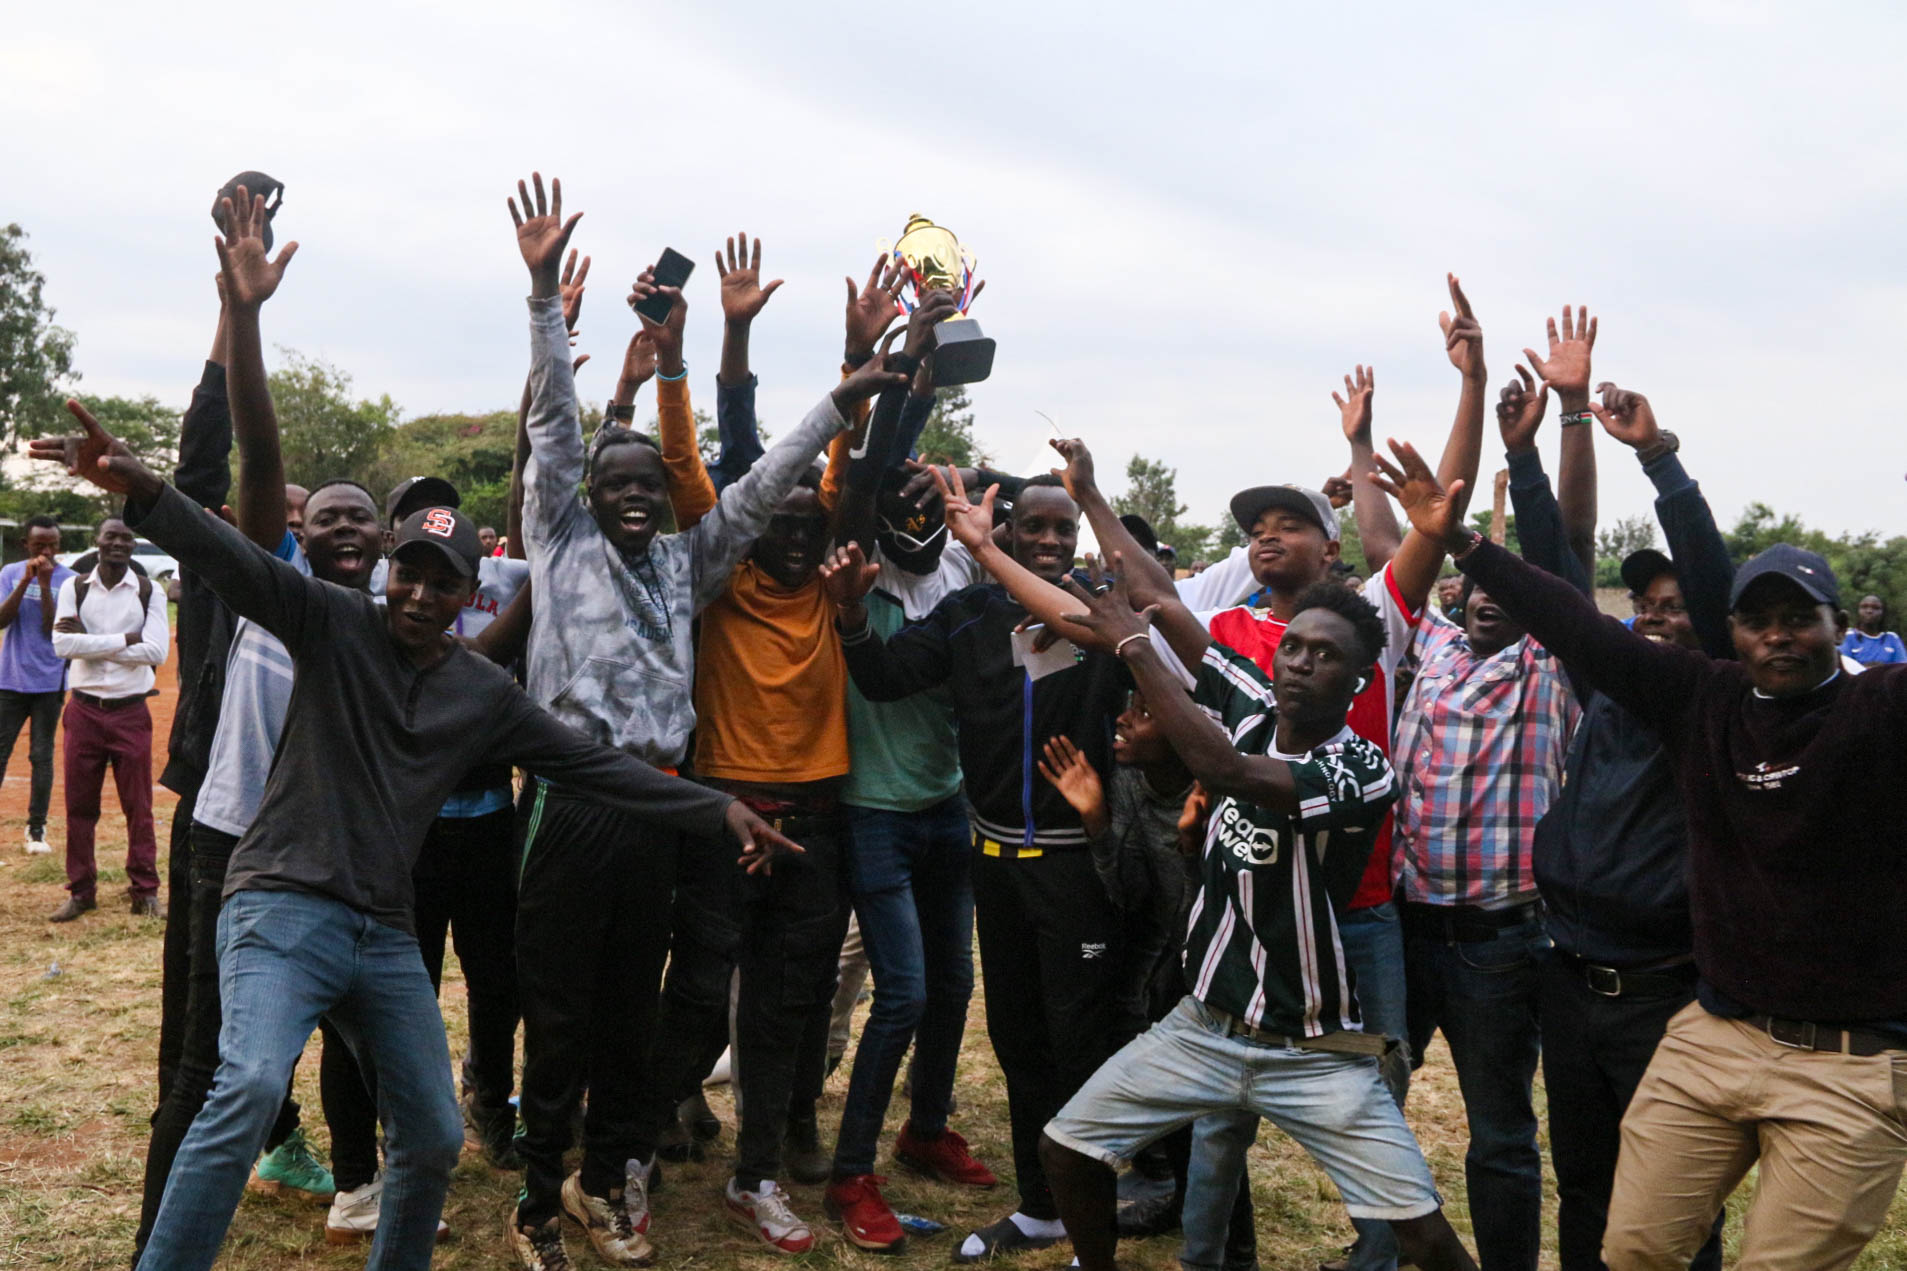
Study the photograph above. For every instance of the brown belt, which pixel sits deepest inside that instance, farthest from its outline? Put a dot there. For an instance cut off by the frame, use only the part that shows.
(1340, 1042)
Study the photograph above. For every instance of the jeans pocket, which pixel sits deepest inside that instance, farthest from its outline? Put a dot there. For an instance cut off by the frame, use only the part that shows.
(1513, 950)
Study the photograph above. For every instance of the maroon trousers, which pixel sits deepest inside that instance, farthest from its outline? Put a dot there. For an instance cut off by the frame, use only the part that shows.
(122, 737)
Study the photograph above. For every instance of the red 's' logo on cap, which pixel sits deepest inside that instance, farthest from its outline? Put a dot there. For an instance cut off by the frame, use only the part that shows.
(439, 522)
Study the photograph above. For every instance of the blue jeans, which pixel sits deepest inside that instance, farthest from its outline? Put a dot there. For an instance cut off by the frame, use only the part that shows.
(910, 874)
(1374, 949)
(285, 958)
(1483, 994)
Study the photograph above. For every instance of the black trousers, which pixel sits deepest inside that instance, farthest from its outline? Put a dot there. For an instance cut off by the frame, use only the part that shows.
(784, 932)
(1048, 946)
(350, 1110)
(465, 883)
(44, 710)
(592, 933)
(1595, 1049)
(175, 961)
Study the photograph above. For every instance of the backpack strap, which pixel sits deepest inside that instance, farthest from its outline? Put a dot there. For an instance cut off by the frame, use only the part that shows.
(81, 586)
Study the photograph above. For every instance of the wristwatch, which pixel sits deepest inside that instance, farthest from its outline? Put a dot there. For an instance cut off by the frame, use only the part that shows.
(1471, 539)
(1666, 443)
(620, 414)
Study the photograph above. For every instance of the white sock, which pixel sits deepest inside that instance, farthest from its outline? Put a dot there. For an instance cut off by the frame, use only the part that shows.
(1038, 1228)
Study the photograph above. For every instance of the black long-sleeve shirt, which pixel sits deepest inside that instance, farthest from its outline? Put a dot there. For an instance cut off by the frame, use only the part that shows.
(372, 744)
(1611, 854)
(204, 624)
(1797, 816)
(1004, 718)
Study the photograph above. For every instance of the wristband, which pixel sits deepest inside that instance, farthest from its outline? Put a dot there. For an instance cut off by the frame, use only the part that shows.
(855, 361)
(670, 379)
(621, 414)
(1119, 650)
(1571, 418)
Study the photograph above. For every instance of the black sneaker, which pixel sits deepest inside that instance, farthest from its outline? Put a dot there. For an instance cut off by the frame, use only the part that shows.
(675, 1143)
(801, 1155)
(493, 1130)
(1149, 1216)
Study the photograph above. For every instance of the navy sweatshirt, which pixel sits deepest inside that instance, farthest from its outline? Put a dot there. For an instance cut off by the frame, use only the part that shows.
(966, 642)
(1611, 854)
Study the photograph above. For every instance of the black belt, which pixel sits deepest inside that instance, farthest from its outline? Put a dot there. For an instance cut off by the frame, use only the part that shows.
(109, 703)
(1804, 1035)
(1465, 924)
(1613, 981)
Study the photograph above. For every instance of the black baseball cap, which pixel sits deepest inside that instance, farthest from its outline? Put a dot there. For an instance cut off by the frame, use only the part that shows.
(1807, 570)
(419, 492)
(1249, 505)
(1640, 568)
(1141, 531)
(445, 530)
(255, 183)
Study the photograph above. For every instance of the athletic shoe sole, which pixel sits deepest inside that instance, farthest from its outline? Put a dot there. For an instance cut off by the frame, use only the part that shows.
(741, 1217)
(272, 1187)
(352, 1236)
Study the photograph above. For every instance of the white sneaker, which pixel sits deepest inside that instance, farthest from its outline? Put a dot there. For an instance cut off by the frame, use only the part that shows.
(766, 1213)
(353, 1214)
(37, 845)
(635, 1193)
(607, 1223)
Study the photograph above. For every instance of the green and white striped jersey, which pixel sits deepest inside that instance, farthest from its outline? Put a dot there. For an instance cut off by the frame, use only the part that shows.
(1262, 941)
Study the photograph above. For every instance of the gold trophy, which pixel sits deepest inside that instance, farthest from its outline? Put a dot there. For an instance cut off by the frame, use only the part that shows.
(936, 261)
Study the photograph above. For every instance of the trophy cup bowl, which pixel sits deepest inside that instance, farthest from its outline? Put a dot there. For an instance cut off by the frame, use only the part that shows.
(936, 261)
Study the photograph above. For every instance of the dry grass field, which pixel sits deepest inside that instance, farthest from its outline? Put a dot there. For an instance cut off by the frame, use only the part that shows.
(78, 1052)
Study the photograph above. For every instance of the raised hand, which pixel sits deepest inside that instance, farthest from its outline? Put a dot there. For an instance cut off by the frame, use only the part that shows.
(1462, 336)
(742, 293)
(1354, 405)
(972, 526)
(667, 334)
(542, 233)
(1519, 411)
(934, 307)
(570, 287)
(1192, 819)
(1078, 473)
(870, 379)
(761, 842)
(1109, 613)
(1566, 369)
(847, 575)
(872, 309)
(1434, 511)
(638, 361)
(246, 278)
(1067, 770)
(1339, 489)
(97, 456)
(1626, 416)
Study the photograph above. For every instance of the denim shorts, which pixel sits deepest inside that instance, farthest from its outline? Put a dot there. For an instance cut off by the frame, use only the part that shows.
(1335, 1106)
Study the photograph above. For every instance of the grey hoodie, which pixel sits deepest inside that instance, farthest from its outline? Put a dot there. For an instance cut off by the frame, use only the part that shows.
(610, 653)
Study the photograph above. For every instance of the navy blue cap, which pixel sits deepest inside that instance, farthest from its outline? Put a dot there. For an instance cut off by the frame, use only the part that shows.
(1807, 570)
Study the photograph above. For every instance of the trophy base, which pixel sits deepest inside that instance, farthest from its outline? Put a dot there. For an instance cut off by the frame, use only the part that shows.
(962, 354)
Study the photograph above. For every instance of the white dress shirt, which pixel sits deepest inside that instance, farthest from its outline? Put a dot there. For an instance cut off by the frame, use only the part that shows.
(100, 661)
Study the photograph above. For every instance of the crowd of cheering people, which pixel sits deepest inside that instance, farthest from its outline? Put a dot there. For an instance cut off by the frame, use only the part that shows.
(1236, 845)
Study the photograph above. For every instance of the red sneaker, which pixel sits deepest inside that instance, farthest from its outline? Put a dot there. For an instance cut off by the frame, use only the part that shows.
(944, 1157)
(857, 1204)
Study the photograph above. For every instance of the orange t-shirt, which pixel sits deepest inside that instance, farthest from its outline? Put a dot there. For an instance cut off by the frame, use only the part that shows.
(770, 684)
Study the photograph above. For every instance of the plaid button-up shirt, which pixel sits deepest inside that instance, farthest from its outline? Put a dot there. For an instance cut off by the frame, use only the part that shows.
(1479, 755)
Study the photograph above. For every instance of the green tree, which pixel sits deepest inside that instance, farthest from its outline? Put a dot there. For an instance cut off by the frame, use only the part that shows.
(147, 426)
(36, 357)
(1862, 563)
(1480, 521)
(948, 435)
(1152, 491)
(1616, 542)
(325, 433)
(472, 452)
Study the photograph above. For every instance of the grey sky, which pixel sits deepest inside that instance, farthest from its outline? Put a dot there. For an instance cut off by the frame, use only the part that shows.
(1193, 218)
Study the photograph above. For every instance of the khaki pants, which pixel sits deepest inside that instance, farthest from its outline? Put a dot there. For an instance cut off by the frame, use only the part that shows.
(1721, 1096)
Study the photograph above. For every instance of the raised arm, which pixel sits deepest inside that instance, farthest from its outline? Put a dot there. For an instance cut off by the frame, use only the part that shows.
(1566, 370)
(255, 583)
(1702, 563)
(917, 657)
(853, 479)
(554, 470)
(1057, 608)
(1377, 527)
(250, 280)
(691, 493)
(571, 288)
(1656, 682)
(1539, 521)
